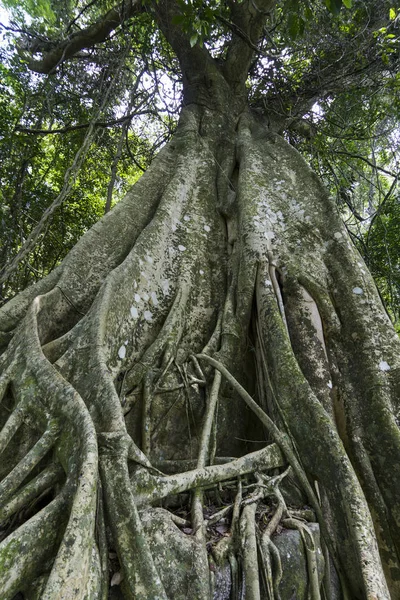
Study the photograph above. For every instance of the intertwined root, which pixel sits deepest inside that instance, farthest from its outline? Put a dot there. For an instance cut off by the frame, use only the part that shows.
(147, 337)
(71, 558)
(79, 567)
(68, 521)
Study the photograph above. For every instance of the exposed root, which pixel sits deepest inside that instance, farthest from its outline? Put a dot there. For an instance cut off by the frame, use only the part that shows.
(249, 548)
(39, 484)
(148, 488)
(21, 557)
(141, 580)
(12, 425)
(14, 479)
(309, 545)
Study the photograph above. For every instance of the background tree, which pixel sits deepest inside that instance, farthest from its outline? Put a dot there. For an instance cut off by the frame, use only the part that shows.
(221, 302)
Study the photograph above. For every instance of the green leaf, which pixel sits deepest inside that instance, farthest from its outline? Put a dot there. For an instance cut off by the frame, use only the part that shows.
(293, 25)
(348, 3)
(35, 8)
(334, 6)
(193, 40)
(308, 13)
(392, 14)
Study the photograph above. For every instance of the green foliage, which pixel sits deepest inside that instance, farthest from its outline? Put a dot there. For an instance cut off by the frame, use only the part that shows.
(355, 148)
(34, 165)
(335, 5)
(197, 18)
(383, 253)
(40, 9)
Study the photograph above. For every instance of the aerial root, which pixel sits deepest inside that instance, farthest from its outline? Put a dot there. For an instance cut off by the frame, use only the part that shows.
(279, 438)
(204, 448)
(148, 488)
(146, 418)
(249, 548)
(14, 479)
(311, 556)
(164, 346)
(288, 451)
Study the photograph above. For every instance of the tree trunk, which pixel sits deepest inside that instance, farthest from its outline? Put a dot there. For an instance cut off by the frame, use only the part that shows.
(228, 256)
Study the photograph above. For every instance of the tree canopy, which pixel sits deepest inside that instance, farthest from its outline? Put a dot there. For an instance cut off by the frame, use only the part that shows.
(90, 91)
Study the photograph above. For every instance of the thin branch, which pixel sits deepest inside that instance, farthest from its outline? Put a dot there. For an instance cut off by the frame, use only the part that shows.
(83, 10)
(85, 125)
(371, 164)
(380, 208)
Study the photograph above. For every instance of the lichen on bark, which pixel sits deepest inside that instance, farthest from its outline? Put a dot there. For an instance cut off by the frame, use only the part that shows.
(227, 256)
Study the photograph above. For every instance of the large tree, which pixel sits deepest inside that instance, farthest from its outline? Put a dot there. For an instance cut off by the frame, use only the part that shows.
(221, 302)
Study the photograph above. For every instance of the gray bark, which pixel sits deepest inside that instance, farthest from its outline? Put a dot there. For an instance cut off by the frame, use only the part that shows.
(236, 252)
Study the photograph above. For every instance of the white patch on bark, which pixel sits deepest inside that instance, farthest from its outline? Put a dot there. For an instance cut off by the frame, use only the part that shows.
(137, 298)
(145, 297)
(154, 298)
(134, 312)
(329, 384)
(384, 366)
(312, 309)
(116, 579)
(148, 315)
(181, 248)
(122, 352)
(207, 228)
(358, 291)
(165, 287)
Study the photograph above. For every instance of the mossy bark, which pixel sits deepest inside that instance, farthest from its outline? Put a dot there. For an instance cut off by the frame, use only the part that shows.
(229, 247)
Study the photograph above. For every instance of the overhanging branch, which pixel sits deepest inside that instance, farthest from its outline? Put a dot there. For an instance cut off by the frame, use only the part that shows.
(94, 34)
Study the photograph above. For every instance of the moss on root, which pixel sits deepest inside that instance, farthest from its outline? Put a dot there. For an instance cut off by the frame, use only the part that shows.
(240, 257)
